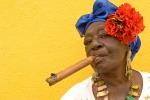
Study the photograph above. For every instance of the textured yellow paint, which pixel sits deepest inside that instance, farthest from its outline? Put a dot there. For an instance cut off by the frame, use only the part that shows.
(38, 37)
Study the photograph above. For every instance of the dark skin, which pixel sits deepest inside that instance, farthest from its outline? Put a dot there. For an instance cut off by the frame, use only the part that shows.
(111, 64)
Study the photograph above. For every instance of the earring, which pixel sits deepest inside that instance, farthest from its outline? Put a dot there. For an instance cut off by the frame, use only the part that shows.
(128, 65)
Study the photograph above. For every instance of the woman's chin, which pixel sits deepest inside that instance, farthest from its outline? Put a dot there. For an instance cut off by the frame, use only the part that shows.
(99, 68)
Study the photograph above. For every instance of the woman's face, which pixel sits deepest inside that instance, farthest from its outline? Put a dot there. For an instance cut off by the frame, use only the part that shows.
(111, 53)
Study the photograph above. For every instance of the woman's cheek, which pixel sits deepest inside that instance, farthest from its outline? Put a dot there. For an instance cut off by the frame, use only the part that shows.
(87, 50)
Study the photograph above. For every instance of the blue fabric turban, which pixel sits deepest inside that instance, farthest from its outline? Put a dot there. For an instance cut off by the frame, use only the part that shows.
(101, 10)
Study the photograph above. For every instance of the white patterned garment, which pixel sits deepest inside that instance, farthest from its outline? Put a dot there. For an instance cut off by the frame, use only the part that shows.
(83, 90)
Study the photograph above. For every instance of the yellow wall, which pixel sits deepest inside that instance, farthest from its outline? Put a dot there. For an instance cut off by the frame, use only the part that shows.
(38, 37)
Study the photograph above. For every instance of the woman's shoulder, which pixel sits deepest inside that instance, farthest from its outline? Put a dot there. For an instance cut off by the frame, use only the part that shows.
(74, 91)
(145, 75)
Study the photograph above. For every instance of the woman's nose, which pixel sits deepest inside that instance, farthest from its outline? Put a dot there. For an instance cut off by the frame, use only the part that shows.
(96, 45)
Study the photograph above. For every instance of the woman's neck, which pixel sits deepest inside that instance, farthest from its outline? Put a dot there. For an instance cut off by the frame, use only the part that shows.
(115, 77)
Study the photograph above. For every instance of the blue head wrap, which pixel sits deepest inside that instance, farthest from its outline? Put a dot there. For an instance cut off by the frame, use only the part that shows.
(101, 10)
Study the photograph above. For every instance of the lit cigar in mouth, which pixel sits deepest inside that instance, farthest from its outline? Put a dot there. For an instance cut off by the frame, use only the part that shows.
(54, 78)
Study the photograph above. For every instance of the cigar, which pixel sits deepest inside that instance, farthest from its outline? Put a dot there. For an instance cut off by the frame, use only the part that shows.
(54, 78)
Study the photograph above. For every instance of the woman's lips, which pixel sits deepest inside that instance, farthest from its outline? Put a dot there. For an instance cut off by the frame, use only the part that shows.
(97, 60)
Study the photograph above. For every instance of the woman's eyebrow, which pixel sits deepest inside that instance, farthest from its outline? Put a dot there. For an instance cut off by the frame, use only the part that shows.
(88, 34)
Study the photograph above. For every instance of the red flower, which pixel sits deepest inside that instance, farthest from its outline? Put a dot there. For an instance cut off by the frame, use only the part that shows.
(124, 24)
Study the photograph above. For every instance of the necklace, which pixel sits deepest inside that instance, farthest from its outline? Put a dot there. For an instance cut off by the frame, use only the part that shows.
(99, 82)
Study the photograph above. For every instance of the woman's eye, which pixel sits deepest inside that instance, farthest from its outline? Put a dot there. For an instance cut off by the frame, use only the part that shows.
(104, 35)
(87, 42)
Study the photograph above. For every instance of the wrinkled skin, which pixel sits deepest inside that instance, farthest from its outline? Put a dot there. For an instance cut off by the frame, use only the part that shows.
(110, 63)
(110, 50)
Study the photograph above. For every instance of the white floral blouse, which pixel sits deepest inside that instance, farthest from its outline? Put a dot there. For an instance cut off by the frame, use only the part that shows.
(83, 90)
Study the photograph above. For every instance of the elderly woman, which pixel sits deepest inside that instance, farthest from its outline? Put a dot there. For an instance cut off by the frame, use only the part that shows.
(110, 33)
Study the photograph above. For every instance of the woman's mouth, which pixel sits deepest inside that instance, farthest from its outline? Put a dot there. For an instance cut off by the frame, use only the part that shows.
(97, 60)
